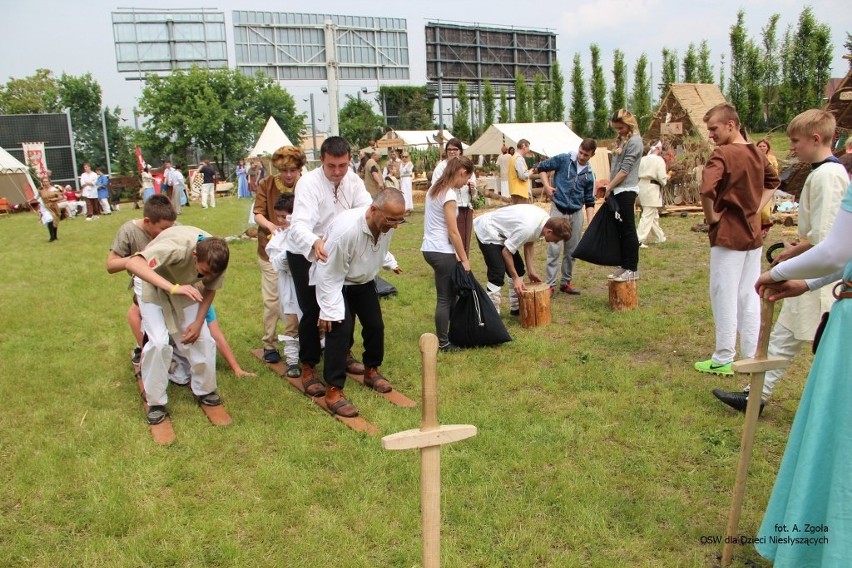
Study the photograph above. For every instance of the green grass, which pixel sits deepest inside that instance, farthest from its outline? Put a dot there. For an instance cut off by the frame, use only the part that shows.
(598, 444)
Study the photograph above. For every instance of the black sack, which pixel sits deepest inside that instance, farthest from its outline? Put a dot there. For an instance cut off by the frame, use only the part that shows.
(474, 321)
(600, 243)
(385, 289)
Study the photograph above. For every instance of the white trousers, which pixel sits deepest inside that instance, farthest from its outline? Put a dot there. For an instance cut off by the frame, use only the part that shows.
(649, 223)
(105, 205)
(208, 193)
(736, 306)
(195, 362)
(782, 343)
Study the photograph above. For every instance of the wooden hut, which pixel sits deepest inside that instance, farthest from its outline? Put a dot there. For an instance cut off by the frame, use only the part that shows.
(682, 111)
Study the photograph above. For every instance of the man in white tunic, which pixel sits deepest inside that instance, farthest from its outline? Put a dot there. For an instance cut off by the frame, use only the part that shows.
(356, 247)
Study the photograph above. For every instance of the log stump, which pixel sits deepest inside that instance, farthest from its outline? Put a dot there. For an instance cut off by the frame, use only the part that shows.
(534, 304)
(623, 296)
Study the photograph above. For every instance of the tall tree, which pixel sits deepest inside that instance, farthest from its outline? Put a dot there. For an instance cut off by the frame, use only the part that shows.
(690, 65)
(488, 104)
(771, 67)
(669, 74)
(722, 72)
(359, 123)
(641, 94)
(217, 111)
(705, 68)
(408, 108)
(618, 97)
(539, 99)
(557, 94)
(752, 116)
(522, 99)
(38, 93)
(848, 45)
(741, 80)
(504, 106)
(579, 113)
(461, 118)
(810, 63)
(600, 114)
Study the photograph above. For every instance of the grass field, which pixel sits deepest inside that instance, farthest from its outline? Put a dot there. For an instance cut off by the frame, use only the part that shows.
(598, 444)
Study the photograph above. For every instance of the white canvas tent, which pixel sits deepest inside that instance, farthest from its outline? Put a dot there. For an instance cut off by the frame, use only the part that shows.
(16, 185)
(270, 140)
(414, 138)
(546, 138)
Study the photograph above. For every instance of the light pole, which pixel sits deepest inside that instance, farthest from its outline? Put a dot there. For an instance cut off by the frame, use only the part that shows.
(313, 124)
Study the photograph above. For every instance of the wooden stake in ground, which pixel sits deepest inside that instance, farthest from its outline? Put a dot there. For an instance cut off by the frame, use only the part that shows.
(429, 439)
(757, 367)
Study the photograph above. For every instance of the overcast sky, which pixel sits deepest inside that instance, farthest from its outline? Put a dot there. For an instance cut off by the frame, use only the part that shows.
(77, 37)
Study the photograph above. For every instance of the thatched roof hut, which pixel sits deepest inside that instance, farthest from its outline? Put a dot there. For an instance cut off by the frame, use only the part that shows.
(840, 103)
(682, 110)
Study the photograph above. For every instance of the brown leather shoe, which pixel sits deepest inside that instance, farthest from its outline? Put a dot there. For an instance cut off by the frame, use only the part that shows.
(353, 366)
(310, 381)
(338, 404)
(374, 379)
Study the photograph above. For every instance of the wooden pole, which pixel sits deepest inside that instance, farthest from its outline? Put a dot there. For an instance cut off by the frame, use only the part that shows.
(757, 367)
(429, 439)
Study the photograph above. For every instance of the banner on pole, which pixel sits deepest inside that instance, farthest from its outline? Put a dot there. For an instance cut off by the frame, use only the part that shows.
(34, 157)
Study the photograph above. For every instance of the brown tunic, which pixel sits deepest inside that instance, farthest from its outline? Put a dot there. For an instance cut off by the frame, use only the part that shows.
(264, 204)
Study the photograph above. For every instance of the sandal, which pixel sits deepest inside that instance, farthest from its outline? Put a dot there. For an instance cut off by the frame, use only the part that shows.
(377, 382)
(343, 408)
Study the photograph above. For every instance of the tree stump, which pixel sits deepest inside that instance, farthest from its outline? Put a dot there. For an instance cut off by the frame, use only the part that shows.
(623, 296)
(534, 304)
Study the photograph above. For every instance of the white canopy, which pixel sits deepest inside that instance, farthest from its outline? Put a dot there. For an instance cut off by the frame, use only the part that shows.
(16, 185)
(546, 138)
(270, 139)
(415, 138)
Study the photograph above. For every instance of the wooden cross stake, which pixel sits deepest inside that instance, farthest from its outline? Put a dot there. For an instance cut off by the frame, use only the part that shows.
(429, 439)
(757, 366)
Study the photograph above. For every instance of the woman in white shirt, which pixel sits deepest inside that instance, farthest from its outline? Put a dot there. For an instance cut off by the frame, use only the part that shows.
(465, 191)
(406, 173)
(442, 243)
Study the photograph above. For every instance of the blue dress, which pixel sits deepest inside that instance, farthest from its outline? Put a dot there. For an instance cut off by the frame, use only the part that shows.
(242, 182)
(812, 496)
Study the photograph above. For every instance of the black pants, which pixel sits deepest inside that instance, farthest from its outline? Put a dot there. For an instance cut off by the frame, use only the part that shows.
(497, 270)
(362, 301)
(51, 228)
(309, 339)
(627, 230)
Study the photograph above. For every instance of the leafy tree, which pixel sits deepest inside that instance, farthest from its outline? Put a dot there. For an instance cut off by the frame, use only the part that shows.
(809, 64)
(358, 123)
(669, 70)
(722, 72)
(848, 45)
(752, 116)
(705, 68)
(408, 108)
(557, 94)
(690, 65)
(740, 82)
(38, 93)
(539, 99)
(579, 113)
(82, 97)
(600, 114)
(618, 97)
(504, 106)
(217, 111)
(641, 94)
(488, 104)
(522, 99)
(461, 119)
(771, 66)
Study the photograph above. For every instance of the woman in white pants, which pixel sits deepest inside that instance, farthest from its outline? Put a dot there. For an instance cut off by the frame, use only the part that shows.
(652, 180)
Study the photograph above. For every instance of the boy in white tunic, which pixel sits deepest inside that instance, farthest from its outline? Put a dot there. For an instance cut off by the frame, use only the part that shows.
(502, 233)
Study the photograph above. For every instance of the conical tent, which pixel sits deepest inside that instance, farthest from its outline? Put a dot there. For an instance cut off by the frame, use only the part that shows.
(16, 185)
(270, 140)
(546, 138)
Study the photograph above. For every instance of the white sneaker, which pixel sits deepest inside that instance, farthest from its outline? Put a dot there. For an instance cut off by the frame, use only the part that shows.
(618, 272)
(627, 276)
(643, 246)
(88, 218)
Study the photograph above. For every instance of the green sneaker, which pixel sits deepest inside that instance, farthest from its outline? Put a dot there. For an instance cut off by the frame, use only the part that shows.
(709, 366)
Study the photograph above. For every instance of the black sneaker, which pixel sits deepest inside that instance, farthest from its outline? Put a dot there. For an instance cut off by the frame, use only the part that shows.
(271, 356)
(157, 414)
(137, 355)
(514, 312)
(294, 371)
(210, 399)
(449, 348)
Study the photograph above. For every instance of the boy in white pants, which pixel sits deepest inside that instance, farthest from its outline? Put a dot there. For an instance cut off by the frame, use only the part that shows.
(737, 182)
(172, 306)
(811, 134)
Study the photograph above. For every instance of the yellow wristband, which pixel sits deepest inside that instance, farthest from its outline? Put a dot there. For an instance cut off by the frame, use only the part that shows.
(174, 289)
